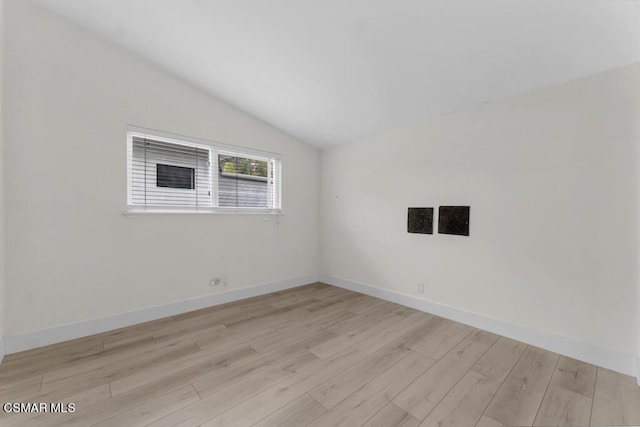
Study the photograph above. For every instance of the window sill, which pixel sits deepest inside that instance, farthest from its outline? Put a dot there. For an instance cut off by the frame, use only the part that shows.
(134, 211)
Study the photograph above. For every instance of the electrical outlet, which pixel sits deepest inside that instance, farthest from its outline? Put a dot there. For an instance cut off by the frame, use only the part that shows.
(421, 288)
(215, 282)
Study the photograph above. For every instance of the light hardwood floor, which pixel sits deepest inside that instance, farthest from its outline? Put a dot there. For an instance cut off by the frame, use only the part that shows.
(314, 355)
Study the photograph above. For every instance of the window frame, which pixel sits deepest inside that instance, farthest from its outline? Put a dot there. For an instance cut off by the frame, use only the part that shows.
(274, 161)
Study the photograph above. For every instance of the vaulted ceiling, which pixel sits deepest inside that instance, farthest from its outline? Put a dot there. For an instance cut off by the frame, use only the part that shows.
(332, 71)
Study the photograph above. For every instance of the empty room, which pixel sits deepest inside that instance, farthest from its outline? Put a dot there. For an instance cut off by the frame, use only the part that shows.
(319, 213)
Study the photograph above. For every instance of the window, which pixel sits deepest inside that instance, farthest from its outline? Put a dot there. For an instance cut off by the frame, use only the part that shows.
(170, 173)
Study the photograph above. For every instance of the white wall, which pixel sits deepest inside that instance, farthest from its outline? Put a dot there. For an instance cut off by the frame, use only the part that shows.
(552, 180)
(2, 272)
(72, 255)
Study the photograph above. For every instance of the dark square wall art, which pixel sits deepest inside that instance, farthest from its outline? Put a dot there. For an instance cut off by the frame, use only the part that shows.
(453, 220)
(420, 220)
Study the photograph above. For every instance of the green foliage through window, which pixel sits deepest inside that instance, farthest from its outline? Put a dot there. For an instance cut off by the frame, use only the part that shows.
(242, 165)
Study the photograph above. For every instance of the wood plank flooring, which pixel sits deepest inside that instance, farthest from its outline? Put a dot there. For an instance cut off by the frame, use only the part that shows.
(314, 355)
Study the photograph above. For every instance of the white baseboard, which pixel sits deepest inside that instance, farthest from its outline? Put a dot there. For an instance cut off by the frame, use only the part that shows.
(1, 349)
(17, 343)
(638, 371)
(615, 361)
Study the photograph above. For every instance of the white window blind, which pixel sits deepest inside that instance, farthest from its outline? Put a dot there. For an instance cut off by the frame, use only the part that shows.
(181, 173)
(247, 182)
(170, 174)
